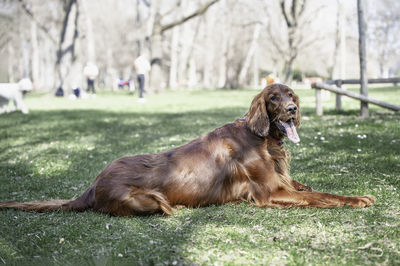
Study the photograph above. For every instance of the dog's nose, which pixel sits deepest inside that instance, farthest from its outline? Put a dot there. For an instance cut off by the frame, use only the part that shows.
(291, 108)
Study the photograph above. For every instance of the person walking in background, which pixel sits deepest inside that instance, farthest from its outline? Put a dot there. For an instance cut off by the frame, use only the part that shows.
(142, 67)
(91, 71)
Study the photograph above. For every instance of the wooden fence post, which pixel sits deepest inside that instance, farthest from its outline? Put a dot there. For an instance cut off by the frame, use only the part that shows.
(318, 101)
(338, 96)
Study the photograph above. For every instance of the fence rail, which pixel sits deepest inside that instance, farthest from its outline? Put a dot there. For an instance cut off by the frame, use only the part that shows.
(318, 86)
(339, 82)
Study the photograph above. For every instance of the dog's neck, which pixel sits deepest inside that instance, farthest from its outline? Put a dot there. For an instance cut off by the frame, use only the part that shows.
(274, 140)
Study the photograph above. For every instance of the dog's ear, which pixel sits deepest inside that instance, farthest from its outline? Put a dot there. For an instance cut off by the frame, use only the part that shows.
(257, 117)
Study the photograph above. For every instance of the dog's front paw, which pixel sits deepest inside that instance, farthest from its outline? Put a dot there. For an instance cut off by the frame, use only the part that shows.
(300, 187)
(361, 201)
(304, 188)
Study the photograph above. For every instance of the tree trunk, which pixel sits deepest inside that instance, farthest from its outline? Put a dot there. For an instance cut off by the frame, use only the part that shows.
(292, 53)
(292, 16)
(157, 80)
(11, 62)
(48, 57)
(90, 42)
(342, 41)
(111, 73)
(232, 70)
(157, 77)
(256, 74)
(26, 59)
(35, 57)
(363, 59)
(208, 53)
(66, 46)
(173, 70)
(332, 70)
(288, 68)
(250, 54)
(222, 64)
(183, 58)
(192, 74)
(187, 42)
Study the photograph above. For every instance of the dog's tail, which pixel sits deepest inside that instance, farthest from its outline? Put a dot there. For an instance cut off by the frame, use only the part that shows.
(39, 206)
(82, 203)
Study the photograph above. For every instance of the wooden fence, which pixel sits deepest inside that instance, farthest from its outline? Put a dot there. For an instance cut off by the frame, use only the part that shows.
(318, 86)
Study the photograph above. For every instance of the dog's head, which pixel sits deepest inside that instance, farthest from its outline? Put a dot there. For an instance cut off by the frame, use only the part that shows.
(275, 112)
(25, 85)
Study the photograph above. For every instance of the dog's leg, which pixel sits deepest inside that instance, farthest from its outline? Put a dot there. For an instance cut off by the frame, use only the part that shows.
(3, 105)
(283, 198)
(19, 104)
(148, 201)
(130, 201)
(13, 107)
(300, 187)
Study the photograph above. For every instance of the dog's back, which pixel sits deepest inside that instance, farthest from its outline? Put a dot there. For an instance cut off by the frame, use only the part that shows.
(9, 90)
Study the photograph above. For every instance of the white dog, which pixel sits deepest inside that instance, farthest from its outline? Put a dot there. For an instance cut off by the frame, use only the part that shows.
(14, 92)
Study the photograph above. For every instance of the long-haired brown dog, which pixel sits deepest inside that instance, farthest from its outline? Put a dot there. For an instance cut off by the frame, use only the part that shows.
(244, 160)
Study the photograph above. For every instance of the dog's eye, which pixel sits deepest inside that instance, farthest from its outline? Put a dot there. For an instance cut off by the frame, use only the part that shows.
(273, 98)
(290, 94)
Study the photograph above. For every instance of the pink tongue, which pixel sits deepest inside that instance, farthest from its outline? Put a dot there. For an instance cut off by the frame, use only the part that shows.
(291, 131)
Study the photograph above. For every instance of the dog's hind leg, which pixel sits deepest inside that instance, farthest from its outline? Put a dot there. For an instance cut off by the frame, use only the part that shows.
(3, 105)
(148, 201)
(133, 201)
(19, 104)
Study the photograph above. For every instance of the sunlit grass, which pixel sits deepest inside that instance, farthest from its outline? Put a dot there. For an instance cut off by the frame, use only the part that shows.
(58, 149)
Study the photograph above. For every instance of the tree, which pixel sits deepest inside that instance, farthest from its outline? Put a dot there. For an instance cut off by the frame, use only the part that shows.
(292, 14)
(193, 44)
(67, 40)
(156, 29)
(383, 34)
(292, 36)
(363, 57)
(332, 69)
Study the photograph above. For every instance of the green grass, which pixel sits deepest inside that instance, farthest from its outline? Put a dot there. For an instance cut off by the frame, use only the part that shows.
(58, 149)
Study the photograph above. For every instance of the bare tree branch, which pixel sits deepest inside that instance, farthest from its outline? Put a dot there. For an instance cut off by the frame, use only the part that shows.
(294, 14)
(177, 5)
(40, 25)
(306, 21)
(71, 47)
(302, 7)
(67, 9)
(248, 24)
(146, 2)
(287, 20)
(278, 46)
(4, 43)
(196, 13)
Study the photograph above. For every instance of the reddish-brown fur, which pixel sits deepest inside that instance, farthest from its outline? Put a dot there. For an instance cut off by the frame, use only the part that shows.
(239, 161)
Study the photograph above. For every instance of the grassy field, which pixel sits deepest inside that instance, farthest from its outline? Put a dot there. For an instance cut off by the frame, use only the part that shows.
(58, 149)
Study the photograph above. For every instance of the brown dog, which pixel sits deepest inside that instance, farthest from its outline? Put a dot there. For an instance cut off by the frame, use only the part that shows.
(244, 160)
